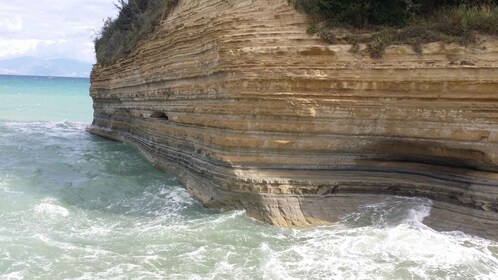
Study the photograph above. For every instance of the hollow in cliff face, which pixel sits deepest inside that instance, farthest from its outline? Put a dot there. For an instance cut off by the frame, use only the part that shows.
(250, 112)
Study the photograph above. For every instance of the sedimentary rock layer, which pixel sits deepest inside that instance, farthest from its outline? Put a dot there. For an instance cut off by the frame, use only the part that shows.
(253, 113)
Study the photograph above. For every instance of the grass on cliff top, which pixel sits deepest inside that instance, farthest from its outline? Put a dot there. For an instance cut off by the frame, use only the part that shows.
(382, 23)
(136, 21)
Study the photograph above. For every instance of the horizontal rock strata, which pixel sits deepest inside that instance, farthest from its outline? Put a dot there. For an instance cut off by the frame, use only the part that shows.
(253, 113)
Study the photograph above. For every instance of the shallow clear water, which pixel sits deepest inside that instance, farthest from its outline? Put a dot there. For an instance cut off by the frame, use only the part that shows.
(76, 206)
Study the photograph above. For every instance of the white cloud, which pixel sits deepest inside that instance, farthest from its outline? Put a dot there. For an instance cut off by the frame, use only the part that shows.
(73, 48)
(12, 24)
(52, 28)
(15, 47)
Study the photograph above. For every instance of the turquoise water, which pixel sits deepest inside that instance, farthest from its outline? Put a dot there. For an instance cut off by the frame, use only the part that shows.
(26, 98)
(76, 206)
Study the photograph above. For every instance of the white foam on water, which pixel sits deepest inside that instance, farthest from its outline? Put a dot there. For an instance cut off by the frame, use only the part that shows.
(45, 128)
(16, 275)
(47, 125)
(82, 251)
(95, 231)
(272, 267)
(6, 185)
(176, 198)
(196, 255)
(157, 231)
(50, 209)
(51, 242)
(374, 254)
(195, 249)
(117, 272)
(225, 269)
(417, 214)
(216, 220)
(381, 251)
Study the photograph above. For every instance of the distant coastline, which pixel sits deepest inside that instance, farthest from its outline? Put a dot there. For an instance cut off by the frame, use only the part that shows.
(33, 66)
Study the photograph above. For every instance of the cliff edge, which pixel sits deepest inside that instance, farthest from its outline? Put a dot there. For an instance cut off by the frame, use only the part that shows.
(251, 112)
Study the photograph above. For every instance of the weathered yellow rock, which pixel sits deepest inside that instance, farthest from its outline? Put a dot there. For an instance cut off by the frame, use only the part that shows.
(251, 112)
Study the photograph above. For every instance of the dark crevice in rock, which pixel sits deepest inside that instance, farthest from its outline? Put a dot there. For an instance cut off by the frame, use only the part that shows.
(159, 115)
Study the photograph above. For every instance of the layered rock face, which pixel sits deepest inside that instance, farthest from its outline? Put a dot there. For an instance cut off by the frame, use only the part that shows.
(250, 112)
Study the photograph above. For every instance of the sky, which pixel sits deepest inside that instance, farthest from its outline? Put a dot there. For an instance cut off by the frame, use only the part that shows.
(52, 28)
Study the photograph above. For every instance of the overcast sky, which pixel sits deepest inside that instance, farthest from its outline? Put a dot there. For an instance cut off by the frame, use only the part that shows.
(52, 28)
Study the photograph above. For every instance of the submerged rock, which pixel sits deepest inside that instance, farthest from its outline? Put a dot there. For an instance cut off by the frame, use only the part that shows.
(251, 112)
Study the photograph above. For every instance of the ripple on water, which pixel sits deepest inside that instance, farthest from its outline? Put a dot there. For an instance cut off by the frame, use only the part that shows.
(78, 207)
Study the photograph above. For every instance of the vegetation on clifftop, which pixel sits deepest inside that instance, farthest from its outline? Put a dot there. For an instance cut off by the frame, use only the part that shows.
(136, 21)
(377, 23)
(380, 23)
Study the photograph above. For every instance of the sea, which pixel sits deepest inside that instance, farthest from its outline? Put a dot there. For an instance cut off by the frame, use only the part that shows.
(77, 206)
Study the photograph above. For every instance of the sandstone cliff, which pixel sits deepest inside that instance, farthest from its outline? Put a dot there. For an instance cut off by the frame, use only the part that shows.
(253, 113)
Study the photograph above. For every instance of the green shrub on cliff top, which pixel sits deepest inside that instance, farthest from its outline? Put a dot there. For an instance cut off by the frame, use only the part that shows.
(411, 22)
(364, 13)
(391, 22)
(136, 21)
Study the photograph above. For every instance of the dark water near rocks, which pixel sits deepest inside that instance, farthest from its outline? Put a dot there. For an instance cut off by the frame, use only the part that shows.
(76, 206)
